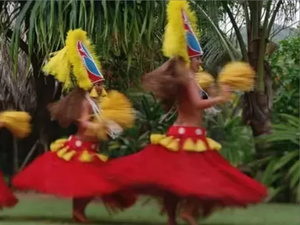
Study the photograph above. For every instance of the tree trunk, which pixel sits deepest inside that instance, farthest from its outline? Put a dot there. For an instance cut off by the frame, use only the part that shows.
(257, 104)
(45, 87)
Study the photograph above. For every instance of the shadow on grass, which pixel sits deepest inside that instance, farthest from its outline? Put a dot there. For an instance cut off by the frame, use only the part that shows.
(64, 220)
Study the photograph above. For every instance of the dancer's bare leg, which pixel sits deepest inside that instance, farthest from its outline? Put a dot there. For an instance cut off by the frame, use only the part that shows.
(79, 206)
(190, 212)
(170, 205)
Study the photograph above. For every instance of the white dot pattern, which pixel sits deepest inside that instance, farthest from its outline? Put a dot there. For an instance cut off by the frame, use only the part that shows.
(181, 130)
(78, 143)
(198, 131)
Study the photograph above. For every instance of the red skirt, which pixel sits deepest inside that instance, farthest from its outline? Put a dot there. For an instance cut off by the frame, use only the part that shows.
(7, 198)
(187, 164)
(71, 169)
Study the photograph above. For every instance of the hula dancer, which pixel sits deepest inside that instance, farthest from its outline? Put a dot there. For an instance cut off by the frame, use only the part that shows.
(73, 168)
(184, 166)
(18, 123)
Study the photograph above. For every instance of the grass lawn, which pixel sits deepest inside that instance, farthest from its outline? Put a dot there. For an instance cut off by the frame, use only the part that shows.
(34, 209)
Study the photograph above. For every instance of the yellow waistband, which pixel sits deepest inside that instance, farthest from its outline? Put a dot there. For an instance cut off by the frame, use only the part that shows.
(173, 143)
(67, 154)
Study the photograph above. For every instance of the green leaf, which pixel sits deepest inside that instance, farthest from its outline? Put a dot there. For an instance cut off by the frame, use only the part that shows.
(284, 160)
(294, 172)
(269, 172)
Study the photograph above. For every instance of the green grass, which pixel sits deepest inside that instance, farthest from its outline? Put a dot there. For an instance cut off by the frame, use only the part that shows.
(36, 209)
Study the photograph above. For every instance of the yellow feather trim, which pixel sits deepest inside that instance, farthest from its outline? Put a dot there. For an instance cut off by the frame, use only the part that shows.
(61, 152)
(213, 144)
(200, 146)
(166, 141)
(86, 157)
(104, 93)
(189, 145)
(69, 155)
(173, 145)
(60, 67)
(94, 94)
(239, 75)
(102, 157)
(156, 138)
(67, 61)
(175, 43)
(79, 69)
(18, 123)
(55, 146)
(204, 79)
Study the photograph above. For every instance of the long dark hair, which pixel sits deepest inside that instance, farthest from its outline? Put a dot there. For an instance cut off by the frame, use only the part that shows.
(68, 109)
(165, 81)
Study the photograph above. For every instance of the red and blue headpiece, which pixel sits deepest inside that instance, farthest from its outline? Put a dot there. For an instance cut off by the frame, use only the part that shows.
(193, 45)
(93, 72)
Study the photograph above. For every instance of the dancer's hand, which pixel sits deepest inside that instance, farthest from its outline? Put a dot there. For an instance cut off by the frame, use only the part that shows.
(1, 124)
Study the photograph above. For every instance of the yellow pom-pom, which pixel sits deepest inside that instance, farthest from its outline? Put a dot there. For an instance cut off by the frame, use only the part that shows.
(204, 79)
(116, 107)
(16, 122)
(98, 129)
(174, 43)
(239, 75)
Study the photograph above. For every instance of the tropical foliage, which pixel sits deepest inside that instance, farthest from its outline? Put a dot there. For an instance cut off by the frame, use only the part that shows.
(280, 160)
(285, 68)
(128, 37)
(236, 139)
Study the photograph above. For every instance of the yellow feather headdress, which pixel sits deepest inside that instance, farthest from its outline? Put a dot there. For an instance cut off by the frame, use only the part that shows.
(77, 58)
(180, 38)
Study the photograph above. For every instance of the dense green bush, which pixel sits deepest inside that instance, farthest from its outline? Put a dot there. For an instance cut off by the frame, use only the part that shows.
(280, 159)
(285, 69)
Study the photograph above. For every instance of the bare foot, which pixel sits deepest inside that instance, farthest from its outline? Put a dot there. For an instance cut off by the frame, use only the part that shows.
(79, 217)
(189, 219)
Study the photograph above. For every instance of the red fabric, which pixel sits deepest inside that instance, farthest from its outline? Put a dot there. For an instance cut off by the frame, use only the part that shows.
(7, 198)
(53, 175)
(206, 176)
